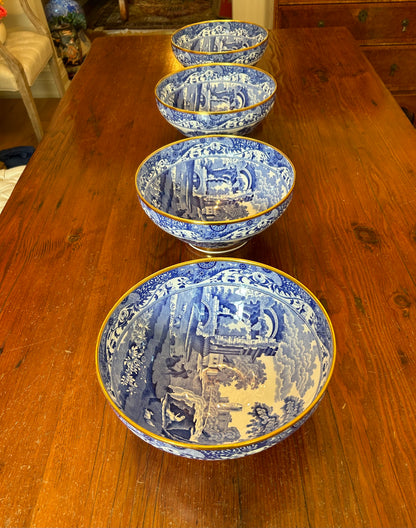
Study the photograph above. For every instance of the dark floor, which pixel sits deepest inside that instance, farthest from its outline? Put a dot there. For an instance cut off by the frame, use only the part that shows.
(16, 129)
(146, 14)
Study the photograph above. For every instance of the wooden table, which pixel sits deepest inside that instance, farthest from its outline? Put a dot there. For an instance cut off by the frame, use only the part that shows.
(73, 239)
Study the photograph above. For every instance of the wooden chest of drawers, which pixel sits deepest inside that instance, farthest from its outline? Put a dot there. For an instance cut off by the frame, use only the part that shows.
(386, 32)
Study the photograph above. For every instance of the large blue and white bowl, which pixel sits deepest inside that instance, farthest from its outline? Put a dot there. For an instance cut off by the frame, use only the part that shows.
(215, 192)
(216, 98)
(219, 41)
(215, 359)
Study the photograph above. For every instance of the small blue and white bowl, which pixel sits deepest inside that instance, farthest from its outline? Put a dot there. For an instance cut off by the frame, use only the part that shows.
(219, 41)
(215, 359)
(216, 98)
(215, 192)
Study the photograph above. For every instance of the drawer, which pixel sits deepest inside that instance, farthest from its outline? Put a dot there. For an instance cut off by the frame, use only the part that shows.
(389, 23)
(408, 102)
(395, 65)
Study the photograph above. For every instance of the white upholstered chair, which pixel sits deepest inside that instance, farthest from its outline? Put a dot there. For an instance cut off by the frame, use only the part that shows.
(24, 54)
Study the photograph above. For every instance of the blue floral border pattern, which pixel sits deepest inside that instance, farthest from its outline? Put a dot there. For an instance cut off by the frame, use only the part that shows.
(207, 236)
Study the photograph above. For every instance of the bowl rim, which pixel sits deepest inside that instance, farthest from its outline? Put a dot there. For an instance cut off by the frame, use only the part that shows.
(215, 222)
(216, 447)
(212, 65)
(239, 50)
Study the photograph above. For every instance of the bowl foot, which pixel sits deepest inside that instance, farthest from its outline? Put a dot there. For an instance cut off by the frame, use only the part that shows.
(220, 250)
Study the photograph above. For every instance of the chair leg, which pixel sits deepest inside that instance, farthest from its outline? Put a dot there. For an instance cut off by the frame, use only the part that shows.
(31, 109)
(54, 67)
(24, 90)
(124, 9)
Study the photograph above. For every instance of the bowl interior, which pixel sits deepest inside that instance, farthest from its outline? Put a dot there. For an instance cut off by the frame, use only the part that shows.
(219, 36)
(216, 88)
(215, 352)
(215, 179)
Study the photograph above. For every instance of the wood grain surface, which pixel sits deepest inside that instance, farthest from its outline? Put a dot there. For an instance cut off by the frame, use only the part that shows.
(73, 239)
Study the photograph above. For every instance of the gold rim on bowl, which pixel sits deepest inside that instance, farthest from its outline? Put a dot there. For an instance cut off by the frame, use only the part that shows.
(217, 447)
(220, 112)
(215, 222)
(196, 52)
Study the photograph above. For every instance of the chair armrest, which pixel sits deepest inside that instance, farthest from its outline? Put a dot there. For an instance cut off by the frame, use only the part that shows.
(12, 63)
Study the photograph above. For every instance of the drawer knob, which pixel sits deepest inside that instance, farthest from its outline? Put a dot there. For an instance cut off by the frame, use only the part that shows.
(321, 23)
(405, 23)
(393, 69)
(362, 15)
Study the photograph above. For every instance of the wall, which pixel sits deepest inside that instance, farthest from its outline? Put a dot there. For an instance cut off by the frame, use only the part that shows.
(258, 11)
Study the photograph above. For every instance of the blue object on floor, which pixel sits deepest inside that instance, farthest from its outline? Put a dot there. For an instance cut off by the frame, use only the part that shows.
(16, 156)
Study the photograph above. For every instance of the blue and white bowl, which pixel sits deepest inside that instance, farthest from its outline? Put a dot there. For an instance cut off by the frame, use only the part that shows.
(215, 359)
(216, 98)
(219, 41)
(215, 192)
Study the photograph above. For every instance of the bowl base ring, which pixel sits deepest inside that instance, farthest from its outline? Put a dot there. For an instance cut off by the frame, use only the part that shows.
(220, 250)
